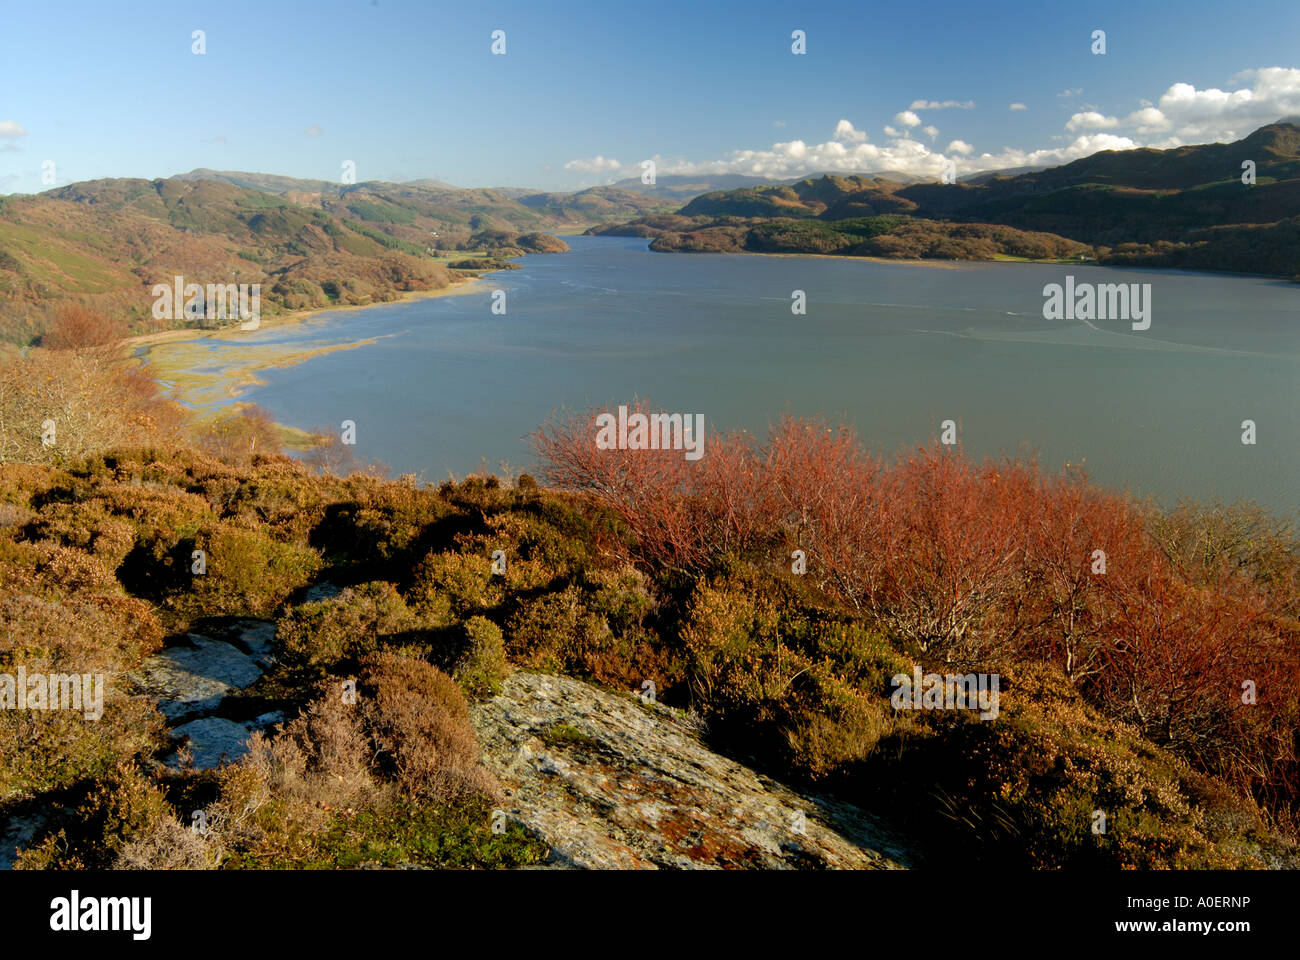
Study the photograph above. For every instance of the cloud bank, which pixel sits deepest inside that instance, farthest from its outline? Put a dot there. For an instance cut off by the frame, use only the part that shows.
(1182, 114)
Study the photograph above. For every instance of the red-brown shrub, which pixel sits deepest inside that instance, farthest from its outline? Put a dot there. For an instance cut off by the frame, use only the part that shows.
(968, 561)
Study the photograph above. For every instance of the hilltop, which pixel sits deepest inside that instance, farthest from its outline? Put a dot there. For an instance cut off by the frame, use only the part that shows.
(1184, 207)
(685, 187)
(310, 244)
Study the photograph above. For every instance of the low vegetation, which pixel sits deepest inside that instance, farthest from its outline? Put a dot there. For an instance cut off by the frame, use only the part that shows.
(774, 588)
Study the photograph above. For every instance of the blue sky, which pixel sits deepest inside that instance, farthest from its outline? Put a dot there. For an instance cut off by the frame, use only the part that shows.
(409, 89)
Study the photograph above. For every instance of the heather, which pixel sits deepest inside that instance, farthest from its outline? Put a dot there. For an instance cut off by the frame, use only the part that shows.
(1148, 660)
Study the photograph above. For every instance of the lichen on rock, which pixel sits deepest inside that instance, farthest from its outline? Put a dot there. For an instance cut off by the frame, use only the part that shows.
(610, 782)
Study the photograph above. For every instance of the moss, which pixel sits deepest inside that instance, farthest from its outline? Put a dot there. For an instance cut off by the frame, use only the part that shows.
(566, 735)
(429, 835)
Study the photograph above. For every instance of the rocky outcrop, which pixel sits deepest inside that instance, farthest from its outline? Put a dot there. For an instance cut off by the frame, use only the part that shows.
(612, 782)
(607, 780)
(190, 681)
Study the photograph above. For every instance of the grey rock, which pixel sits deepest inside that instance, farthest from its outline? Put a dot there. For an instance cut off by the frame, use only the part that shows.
(321, 591)
(16, 834)
(257, 637)
(212, 738)
(193, 679)
(637, 789)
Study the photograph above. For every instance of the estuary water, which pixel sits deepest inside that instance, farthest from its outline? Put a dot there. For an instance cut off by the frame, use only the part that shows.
(893, 348)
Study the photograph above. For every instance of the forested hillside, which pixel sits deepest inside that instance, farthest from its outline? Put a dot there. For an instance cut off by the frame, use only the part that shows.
(1187, 207)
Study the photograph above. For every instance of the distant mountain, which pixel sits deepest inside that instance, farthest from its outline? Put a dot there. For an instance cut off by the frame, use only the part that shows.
(1276, 146)
(431, 206)
(426, 206)
(1184, 207)
(265, 182)
(684, 188)
(309, 243)
(431, 183)
(105, 243)
(987, 175)
(831, 196)
(892, 176)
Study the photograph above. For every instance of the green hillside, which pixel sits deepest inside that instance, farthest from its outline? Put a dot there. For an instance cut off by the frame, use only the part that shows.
(1185, 207)
(105, 243)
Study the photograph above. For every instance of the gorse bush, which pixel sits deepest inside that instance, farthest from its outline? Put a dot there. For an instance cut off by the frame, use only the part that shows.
(766, 668)
(119, 811)
(1029, 789)
(317, 638)
(61, 612)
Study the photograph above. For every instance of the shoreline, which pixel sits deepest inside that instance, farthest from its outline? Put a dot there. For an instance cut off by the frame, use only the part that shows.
(906, 262)
(150, 340)
(953, 264)
(215, 377)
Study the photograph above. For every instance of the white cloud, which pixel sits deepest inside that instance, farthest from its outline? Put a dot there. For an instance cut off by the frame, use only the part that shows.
(1183, 114)
(1070, 93)
(1092, 120)
(1018, 106)
(10, 130)
(778, 123)
(845, 133)
(313, 131)
(1148, 120)
(1214, 114)
(1083, 146)
(942, 105)
(931, 132)
(909, 156)
(597, 164)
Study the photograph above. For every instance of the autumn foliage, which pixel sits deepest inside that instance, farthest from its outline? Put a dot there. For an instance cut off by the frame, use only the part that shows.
(1184, 625)
(79, 394)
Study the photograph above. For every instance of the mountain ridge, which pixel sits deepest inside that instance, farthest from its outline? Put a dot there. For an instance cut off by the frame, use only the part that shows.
(1185, 207)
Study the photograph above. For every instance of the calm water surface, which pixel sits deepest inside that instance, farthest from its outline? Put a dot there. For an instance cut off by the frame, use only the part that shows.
(893, 348)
